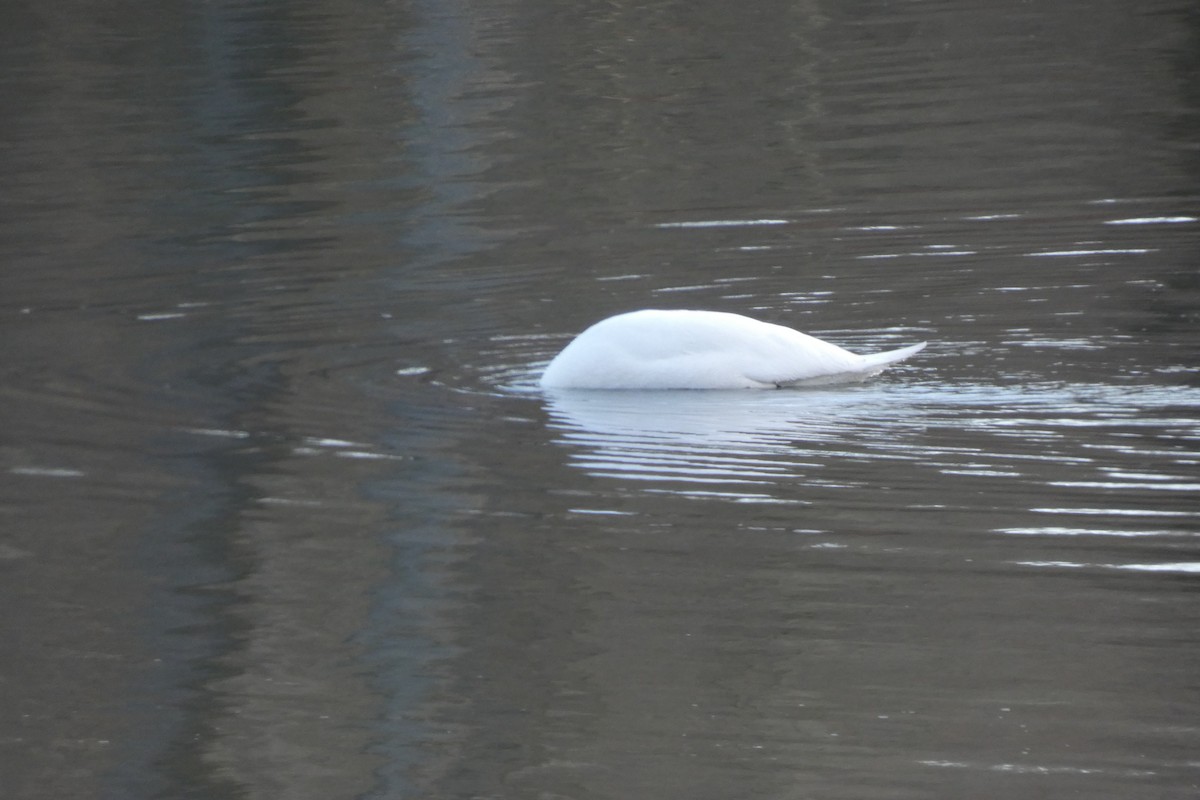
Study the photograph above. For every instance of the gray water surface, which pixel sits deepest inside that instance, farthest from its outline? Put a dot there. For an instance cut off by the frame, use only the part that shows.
(284, 514)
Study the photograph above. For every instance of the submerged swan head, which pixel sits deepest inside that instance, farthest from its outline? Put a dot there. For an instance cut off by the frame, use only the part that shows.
(655, 349)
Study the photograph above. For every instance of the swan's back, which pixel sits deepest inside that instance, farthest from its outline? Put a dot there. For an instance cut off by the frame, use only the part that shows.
(654, 349)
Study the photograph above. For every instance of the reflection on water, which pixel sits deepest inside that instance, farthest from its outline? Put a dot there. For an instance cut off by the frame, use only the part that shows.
(723, 437)
(759, 437)
(285, 515)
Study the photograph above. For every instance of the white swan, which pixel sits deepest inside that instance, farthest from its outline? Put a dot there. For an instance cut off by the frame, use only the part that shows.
(654, 349)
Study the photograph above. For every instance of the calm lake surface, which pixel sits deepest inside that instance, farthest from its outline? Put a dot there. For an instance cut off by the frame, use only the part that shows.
(283, 513)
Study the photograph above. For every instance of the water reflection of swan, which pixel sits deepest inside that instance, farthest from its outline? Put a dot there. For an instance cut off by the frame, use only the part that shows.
(702, 439)
(654, 349)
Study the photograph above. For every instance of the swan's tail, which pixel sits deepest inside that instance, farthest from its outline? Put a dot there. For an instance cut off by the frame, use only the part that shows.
(877, 361)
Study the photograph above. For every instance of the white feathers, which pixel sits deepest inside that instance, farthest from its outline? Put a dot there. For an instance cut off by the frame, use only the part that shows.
(654, 349)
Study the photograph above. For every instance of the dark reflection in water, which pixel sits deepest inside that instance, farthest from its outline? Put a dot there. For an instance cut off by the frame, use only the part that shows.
(285, 515)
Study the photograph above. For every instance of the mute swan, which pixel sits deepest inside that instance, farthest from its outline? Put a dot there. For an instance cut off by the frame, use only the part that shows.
(653, 349)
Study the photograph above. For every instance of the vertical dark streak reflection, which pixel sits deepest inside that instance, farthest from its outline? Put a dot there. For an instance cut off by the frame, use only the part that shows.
(414, 635)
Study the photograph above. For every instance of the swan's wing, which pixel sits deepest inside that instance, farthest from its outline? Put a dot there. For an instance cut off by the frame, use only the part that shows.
(779, 356)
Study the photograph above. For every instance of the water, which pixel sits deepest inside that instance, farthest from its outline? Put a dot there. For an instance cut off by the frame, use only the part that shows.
(285, 515)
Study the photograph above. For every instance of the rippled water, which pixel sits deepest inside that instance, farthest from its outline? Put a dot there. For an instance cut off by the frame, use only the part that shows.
(286, 515)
